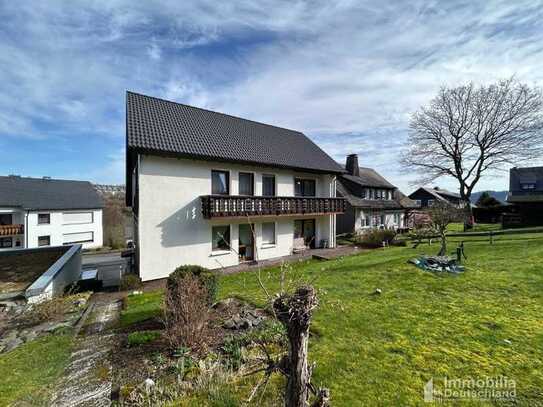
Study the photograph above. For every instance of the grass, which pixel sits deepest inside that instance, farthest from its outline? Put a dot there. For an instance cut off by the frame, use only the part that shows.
(141, 307)
(141, 337)
(32, 367)
(478, 227)
(381, 349)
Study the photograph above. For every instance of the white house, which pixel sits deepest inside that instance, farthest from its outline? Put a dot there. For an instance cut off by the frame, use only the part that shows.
(372, 201)
(215, 190)
(37, 212)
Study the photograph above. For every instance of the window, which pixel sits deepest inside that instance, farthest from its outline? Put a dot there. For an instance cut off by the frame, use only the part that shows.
(82, 237)
(418, 202)
(431, 202)
(268, 233)
(6, 242)
(304, 187)
(527, 186)
(44, 241)
(6, 219)
(74, 218)
(268, 185)
(44, 218)
(220, 182)
(220, 236)
(246, 183)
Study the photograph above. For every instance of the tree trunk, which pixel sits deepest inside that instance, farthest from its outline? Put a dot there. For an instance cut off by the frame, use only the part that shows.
(294, 312)
(443, 249)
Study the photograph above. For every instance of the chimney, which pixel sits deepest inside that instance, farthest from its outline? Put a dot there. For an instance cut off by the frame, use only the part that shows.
(351, 165)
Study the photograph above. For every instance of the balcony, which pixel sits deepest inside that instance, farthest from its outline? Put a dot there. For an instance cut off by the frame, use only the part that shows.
(228, 206)
(9, 230)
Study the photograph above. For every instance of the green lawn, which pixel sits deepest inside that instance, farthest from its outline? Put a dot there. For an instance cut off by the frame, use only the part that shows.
(381, 349)
(28, 370)
(478, 227)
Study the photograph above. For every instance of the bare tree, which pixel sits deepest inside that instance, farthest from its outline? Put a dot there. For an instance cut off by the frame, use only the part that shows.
(442, 215)
(468, 131)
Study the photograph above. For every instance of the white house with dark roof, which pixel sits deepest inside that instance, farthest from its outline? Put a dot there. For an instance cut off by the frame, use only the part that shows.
(372, 201)
(37, 212)
(215, 190)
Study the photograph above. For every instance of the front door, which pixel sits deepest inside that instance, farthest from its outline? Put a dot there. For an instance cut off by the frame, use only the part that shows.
(246, 243)
(305, 228)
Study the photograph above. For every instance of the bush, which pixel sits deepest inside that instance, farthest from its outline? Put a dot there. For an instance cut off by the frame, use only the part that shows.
(374, 238)
(186, 312)
(130, 282)
(141, 337)
(49, 310)
(207, 278)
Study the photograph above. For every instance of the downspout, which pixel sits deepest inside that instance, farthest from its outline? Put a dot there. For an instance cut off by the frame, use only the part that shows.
(333, 217)
(26, 230)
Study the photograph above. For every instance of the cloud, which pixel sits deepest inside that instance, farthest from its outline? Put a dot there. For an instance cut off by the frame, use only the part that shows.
(348, 74)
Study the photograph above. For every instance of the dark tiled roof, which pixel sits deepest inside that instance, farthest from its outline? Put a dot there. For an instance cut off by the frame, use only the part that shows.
(442, 192)
(163, 127)
(369, 178)
(41, 193)
(352, 192)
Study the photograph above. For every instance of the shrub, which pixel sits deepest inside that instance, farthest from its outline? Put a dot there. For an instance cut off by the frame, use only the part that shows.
(186, 312)
(374, 238)
(130, 282)
(49, 310)
(207, 278)
(141, 337)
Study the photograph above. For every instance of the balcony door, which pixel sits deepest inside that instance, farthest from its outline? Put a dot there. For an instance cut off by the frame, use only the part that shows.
(246, 243)
(305, 228)
(304, 187)
(246, 183)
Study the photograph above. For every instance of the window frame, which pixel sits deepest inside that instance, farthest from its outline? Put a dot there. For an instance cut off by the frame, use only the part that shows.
(48, 241)
(274, 242)
(229, 243)
(253, 184)
(228, 186)
(48, 218)
(274, 184)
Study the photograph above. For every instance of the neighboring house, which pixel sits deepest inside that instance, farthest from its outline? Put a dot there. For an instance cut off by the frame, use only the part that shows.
(372, 201)
(108, 189)
(215, 190)
(526, 193)
(37, 212)
(425, 197)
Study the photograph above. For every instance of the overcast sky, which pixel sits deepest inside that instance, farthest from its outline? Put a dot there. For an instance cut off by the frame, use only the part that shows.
(348, 74)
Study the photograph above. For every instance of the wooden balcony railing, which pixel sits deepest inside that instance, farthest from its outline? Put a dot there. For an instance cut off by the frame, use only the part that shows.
(8, 230)
(221, 206)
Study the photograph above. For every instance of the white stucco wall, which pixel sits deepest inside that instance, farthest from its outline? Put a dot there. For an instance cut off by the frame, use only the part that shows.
(172, 231)
(56, 229)
(390, 222)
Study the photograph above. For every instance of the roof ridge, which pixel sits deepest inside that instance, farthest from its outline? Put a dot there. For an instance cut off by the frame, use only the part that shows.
(215, 112)
(43, 179)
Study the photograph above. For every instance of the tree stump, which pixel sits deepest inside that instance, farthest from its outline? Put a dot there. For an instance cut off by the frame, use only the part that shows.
(294, 312)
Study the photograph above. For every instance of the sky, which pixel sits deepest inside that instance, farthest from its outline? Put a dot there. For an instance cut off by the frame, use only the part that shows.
(348, 74)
